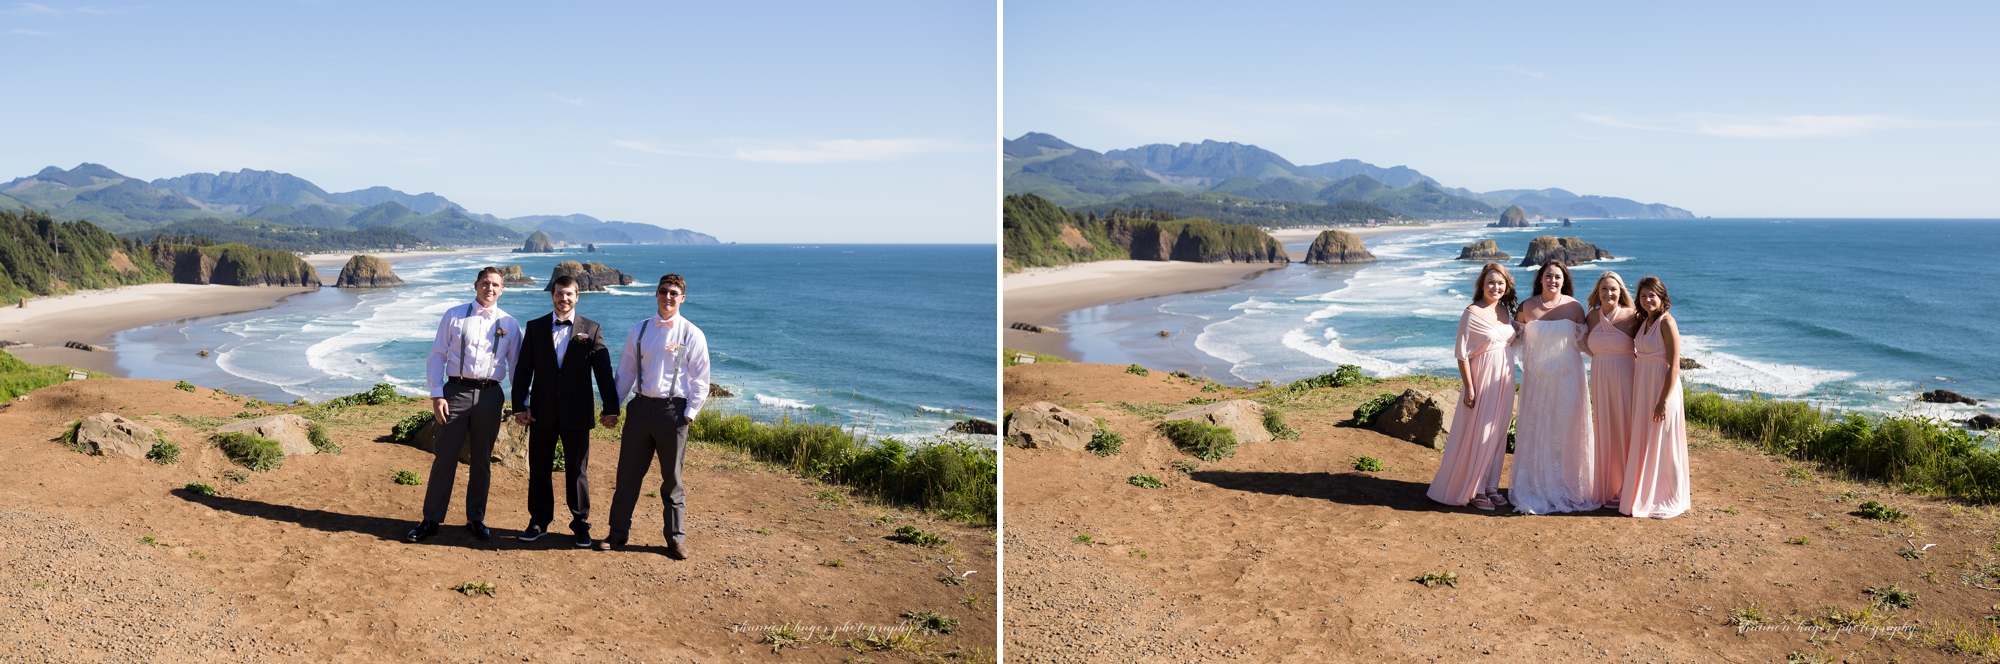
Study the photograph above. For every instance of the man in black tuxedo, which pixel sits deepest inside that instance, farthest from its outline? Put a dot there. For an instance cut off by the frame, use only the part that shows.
(560, 352)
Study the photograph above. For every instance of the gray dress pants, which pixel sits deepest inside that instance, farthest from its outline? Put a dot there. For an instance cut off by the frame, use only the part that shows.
(654, 427)
(475, 421)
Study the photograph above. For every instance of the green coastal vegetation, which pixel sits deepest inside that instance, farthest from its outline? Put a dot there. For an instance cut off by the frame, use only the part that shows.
(1037, 233)
(1234, 209)
(273, 235)
(951, 478)
(1919, 454)
(40, 256)
(18, 377)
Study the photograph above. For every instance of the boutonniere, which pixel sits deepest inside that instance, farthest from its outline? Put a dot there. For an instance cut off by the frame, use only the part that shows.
(672, 347)
(499, 332)
(580, 337)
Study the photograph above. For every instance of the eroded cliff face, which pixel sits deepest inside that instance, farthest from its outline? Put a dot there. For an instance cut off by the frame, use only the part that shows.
(1569, 250)
(1198, 240)
(589, 276)
(365, 271)
(1338, 246)
(235, 265)
(513, 276)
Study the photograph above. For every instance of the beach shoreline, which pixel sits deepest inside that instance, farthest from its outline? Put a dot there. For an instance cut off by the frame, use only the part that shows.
(1043, 295)
(95, 316)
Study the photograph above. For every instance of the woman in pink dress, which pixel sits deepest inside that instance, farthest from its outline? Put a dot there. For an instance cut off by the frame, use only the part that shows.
(1656, 464)
(1477, 443)
(1612, 322)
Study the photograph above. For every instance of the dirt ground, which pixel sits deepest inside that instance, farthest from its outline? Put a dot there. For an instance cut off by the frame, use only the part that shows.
(1285, 552)
(112, 560)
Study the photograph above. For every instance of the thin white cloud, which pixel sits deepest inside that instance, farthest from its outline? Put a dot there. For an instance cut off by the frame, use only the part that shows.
(31, 9)
(100, 11)
(1536, 74)
(811, 152)
(1785, 127)
(30, 33)
(573, 101)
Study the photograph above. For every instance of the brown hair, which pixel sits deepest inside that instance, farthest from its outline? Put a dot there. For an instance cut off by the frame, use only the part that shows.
(1569, 281)
(672, 279)
(1652, 282)
(561, 282)
(1507, 301)
(1624, 294)
(489, 270)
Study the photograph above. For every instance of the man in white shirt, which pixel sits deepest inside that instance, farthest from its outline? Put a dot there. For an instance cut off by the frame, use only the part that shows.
(473, 351)
(665, 367)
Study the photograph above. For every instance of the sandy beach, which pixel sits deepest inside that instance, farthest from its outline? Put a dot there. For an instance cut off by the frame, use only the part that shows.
(1042, 295)
(335, 261)
(92, 317)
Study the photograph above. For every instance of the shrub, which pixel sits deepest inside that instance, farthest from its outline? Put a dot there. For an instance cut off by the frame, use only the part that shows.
(1880, 512)
(1105, 442)
(1367, 463)
(561, 463)
(407, 478)
(406, 430)
(380, 394)
(184, 386)
(1893, 596)
(236, 475)
(931, 621)
(1137, 370)
(1198, 401)
(1344, 376)
(164, 452)
(1365, 414)
(954, 478)
(1434, 579)
(1144, 481)
(470, 588)
(911, 535)
(320, 441)
(1921, 454)
(1274, 422)
(1186, 465)
(200, 489)
(69, 435)
(253, 452)
(1204, 441)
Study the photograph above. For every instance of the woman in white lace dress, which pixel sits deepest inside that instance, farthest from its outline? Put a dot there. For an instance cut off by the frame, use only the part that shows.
(1554, 457)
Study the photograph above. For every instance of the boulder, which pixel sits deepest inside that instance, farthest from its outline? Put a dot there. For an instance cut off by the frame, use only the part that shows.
(1032, 328)
(365, 271)
(510, 448)
(537, 243)
(1514, 217)
(590, 247)
(84, 346)
(1242, 416)
(106, 434)
(1947, 397)
(1416, 416)
(1688, 363)
(1571, 251)
(1045, 425)
(1338, 246)
(1483, 251)
(716, 390)
(982, 427)
(512, 276)
(589, 276)
(1982, 422)
(288, 430)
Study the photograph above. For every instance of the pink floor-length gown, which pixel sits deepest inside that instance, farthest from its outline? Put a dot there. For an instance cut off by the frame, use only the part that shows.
(1477, 443)
(1611, 401)
(1656, 465)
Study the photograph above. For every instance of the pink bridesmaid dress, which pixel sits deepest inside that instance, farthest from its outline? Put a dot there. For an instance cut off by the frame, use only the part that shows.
(1611, 402)
(1656, 464)
(1477, 443)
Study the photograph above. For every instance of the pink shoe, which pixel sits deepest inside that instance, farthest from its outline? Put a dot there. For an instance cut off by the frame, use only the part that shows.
(1498, 500)
(1483, 503)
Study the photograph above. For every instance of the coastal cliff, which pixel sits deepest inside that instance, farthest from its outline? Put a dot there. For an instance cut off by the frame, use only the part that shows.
(1569, 250)
(233, 265)
(537, 244)
(513, 276)
(589, 276)
(1483, 250)
(1514, 217)
(365, 271)
(1338, 246)
(1037, 233)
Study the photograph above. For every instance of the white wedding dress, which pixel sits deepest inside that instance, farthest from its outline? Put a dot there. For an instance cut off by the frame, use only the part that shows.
(1554, 458)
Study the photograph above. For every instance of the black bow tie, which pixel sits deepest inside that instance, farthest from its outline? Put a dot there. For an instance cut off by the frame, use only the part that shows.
(562, 323)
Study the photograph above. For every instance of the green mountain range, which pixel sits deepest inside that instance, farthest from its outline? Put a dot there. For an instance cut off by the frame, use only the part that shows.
(280, 209)
(1076, 177)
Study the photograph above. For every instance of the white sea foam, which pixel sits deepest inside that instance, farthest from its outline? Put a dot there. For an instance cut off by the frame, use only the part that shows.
(932, 410)
(781, 402)
(1731, 372)
(1332, 351)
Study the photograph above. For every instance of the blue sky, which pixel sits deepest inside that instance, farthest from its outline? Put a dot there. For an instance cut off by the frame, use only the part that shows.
(1726, 109)
(822, 122)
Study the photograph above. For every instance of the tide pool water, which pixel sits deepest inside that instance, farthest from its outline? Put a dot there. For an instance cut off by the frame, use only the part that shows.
(895, 340)
(1855, 314)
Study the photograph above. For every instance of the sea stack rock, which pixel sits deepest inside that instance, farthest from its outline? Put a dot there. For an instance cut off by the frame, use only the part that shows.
(512, 276)
(590, 276)
(1483, 250)
(590, 247)
(1512, 218)
(1569, 250)
(537, 244)
(1337, 246)
(365, 271)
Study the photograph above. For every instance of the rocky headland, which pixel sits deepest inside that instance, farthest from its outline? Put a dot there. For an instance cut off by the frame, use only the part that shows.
(365, 271)
(537, 244)
(589, 276)
(234, 265)
(513, 276)
(1569, 250)
(1484, 251)
(1514, 217)
(1338, 246)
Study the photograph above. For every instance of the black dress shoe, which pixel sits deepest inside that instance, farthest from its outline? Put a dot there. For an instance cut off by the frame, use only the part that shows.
(677, 551)
(479, 531)
(423, 531)
(583, 540)
(534, 532)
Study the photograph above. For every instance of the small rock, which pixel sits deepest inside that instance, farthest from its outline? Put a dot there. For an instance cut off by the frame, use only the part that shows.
(289, 430)
(106, 434)
(510, 447)
(716, 390)
(1044, 425)
(1242, 416)
(201, 353)
(1163, 334)
(84, 346)
(1946, 396)
(1689, 363)
(982, 427)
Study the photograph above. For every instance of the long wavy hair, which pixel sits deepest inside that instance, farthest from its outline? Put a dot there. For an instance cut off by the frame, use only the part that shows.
(1508, 302)
(1653, 283)
(1569, 281)
(1624, 294)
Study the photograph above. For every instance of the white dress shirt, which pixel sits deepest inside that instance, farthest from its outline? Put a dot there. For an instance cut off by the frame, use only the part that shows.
(473, 342)
(562, 334)
(672, 361)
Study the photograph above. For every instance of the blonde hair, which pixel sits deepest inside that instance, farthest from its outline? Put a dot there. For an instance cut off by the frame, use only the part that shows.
(1624, 293)
(1508, 301)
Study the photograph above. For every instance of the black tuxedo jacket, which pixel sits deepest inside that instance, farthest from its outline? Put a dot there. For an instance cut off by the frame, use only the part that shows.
(560, 396)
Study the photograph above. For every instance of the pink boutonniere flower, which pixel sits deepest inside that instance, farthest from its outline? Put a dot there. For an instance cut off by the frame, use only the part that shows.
(673, 347)
(499, 332)
(581, 337)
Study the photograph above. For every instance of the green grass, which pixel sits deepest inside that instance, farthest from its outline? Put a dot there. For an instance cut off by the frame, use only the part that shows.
(1367, 464)
(1008, 355)
(253, 452)
(184, 386)
(1880, 512)
(1274, 422)
(317, 435)
(69, 436)
(1105, 442)
(1364, 415)
(932, 621)
(913, 535)
(236, 475)
(18, 377)
(1346, 375)
(951, 478)
(1144, 481)
(1187, 466)
(1137, 370)
(380, 394)
(1202, 440)
(164, 452)
(199, 489)
(1919, 454)
(407, 478)
(1893, 596)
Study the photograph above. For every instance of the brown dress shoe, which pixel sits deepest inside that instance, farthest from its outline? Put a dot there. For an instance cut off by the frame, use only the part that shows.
(607, 545)
(677, 551)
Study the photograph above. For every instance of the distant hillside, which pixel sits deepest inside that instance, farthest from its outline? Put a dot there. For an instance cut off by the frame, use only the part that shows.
(273, 235)
(1037, 233)
(41, 256)
(1072, 176)
(1230, 209)
(121, 204)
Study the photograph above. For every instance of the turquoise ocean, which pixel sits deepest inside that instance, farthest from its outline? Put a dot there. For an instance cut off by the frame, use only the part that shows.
(893, 340)
(1856, 314)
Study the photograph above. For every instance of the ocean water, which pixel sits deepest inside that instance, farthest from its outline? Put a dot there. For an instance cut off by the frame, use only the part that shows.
(895, 340)
(1855, 313)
